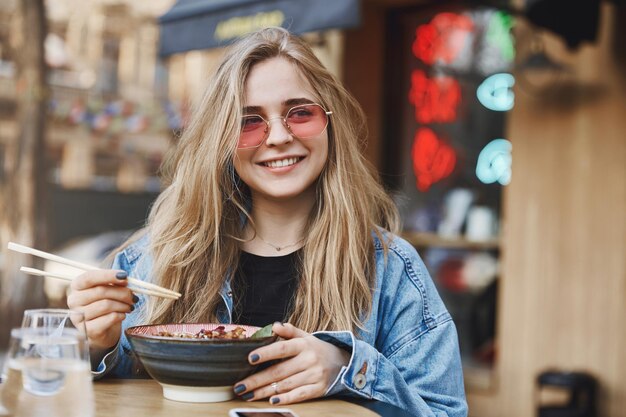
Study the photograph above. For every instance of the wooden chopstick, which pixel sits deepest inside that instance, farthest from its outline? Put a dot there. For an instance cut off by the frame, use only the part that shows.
(16, 247)
(68, 277)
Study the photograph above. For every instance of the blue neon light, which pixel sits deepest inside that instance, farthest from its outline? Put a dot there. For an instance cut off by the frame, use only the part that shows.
(496, 93)
(494, 162)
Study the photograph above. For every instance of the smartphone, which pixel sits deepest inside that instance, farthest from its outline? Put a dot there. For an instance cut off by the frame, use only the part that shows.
(261, 412)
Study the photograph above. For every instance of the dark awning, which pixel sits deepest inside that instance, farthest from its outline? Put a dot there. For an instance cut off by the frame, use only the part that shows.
(203, 24)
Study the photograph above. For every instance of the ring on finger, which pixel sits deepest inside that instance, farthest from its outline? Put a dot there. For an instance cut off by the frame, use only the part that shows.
(275, 386)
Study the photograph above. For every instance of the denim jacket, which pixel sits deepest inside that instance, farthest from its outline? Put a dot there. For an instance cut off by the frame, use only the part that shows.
(406, 355)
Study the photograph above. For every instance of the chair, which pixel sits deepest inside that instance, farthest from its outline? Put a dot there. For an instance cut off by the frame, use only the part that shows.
(581, 390)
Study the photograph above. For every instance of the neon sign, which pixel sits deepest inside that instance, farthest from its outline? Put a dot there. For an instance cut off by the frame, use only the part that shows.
(442, 38)
(435, 99)
(445, 40)
(499, 34)
(495, 92)
(494, 162)
(433, 159)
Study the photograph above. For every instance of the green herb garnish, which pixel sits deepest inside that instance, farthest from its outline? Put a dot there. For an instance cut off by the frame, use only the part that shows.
(263, 332)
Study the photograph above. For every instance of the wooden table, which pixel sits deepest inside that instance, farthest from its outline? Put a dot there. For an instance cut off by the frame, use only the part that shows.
(144, 398)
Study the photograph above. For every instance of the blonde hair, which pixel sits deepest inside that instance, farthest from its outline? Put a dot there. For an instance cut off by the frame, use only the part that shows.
(196, 224)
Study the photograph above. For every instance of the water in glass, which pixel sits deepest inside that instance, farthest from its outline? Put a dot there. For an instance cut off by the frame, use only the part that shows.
(47, 372)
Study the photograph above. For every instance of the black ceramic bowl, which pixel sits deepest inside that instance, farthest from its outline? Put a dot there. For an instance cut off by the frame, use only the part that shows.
(195, 370)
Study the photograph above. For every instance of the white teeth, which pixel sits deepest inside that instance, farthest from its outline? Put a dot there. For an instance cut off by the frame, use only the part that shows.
(281, 163)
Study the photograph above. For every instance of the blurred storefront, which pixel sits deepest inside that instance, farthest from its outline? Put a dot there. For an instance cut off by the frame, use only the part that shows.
(110, 122)
(491, 131)
(119, 97)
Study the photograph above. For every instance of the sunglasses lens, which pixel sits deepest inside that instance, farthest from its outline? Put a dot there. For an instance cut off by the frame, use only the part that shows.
(304, 122)
(307, 121)
(253, 129)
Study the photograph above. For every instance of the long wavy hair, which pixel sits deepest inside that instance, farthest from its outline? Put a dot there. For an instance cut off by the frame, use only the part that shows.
(196, 225)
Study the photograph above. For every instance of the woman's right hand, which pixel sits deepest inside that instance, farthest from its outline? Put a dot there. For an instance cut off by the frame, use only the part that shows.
(104, 299)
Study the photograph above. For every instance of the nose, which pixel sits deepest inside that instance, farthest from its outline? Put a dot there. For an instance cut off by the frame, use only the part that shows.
(278, 134)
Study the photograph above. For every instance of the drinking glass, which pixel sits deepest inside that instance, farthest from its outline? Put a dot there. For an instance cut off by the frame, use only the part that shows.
(47, 371)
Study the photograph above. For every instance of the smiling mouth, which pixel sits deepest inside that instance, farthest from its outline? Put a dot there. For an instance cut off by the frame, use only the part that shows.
(281, 163)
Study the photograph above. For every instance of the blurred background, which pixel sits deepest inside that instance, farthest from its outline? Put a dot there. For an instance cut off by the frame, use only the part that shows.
(498, 126)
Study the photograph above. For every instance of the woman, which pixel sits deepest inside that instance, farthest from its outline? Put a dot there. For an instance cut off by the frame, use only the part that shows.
(273, 215)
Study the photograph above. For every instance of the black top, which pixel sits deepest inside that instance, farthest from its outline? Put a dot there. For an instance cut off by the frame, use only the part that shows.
(264, 287)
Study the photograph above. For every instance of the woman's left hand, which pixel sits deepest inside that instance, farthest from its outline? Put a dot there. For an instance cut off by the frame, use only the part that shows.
(306, 369)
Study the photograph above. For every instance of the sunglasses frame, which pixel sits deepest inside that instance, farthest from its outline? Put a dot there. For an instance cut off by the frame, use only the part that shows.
(285, 124)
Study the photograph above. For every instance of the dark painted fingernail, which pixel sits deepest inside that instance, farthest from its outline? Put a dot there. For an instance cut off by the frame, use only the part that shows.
(254, 357)
(121, 275)
(275, 400)
(135, 298)
(132, 308)
(239, 389)
(248, 395)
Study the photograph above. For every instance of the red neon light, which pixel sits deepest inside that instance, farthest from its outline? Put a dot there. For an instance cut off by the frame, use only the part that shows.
(433, 159)
(442, 38)
(435, 99)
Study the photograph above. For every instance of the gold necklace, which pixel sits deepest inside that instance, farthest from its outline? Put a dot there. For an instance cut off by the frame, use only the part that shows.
(279, 248)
